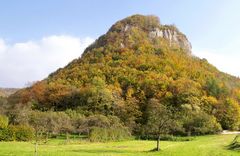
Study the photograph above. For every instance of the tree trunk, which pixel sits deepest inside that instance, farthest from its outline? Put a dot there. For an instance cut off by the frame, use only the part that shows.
(36, 144)
(35, 150)
(67, 136)
(47, 135)
(158, 143)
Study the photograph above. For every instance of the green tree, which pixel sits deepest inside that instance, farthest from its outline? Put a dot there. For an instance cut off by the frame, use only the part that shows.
(99, 98)
(228, 114)
(214, 88)
(159, 119)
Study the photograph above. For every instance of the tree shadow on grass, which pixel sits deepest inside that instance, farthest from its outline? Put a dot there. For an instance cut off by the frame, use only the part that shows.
(98, 151)
(235, 144)
(113, 151)
(154, 150)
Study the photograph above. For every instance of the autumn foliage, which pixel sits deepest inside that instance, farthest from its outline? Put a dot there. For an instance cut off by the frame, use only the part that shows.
(125, 69)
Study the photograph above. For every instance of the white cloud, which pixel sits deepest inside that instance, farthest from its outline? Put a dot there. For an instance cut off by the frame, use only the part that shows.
(225, 60)
(34, 60)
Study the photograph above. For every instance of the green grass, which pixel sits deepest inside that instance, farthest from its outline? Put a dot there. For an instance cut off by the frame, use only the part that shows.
(214, 145)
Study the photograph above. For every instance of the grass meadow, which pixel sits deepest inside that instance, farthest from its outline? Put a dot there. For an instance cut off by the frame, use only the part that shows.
(213, 145)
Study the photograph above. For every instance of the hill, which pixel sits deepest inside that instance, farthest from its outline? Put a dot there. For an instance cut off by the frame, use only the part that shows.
(139, 63)
(5, 92)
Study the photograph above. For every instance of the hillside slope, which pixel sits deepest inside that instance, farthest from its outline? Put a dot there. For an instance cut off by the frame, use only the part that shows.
(137, 62)
(5, 92)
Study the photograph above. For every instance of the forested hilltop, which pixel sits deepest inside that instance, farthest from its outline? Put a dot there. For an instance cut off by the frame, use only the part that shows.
(138, 76)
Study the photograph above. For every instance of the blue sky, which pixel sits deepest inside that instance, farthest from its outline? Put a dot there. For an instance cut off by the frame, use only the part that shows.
(37, 37)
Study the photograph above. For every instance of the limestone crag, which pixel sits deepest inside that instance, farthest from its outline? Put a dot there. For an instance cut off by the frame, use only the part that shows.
(173, 36)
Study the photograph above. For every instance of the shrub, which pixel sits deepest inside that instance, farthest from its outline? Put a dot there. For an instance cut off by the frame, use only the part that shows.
(108, 134)
(104, 128)
(200, 123)
(91, 122)
(3, 122)
(6, 135)
(22, 132)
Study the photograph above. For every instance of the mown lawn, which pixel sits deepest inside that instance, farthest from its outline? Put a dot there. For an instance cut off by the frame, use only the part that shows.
(214, 145)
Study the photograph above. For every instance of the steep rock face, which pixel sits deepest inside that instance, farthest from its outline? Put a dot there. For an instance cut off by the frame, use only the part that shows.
(173, 36)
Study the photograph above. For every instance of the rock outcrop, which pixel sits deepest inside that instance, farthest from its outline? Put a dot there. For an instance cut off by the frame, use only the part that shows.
(173, 36)
(153, 28)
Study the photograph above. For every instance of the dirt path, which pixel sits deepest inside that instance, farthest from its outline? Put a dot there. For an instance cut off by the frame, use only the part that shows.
(230, 132)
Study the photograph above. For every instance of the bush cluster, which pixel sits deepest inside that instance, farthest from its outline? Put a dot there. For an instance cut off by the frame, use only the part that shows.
(108, 134)
(14, 132)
